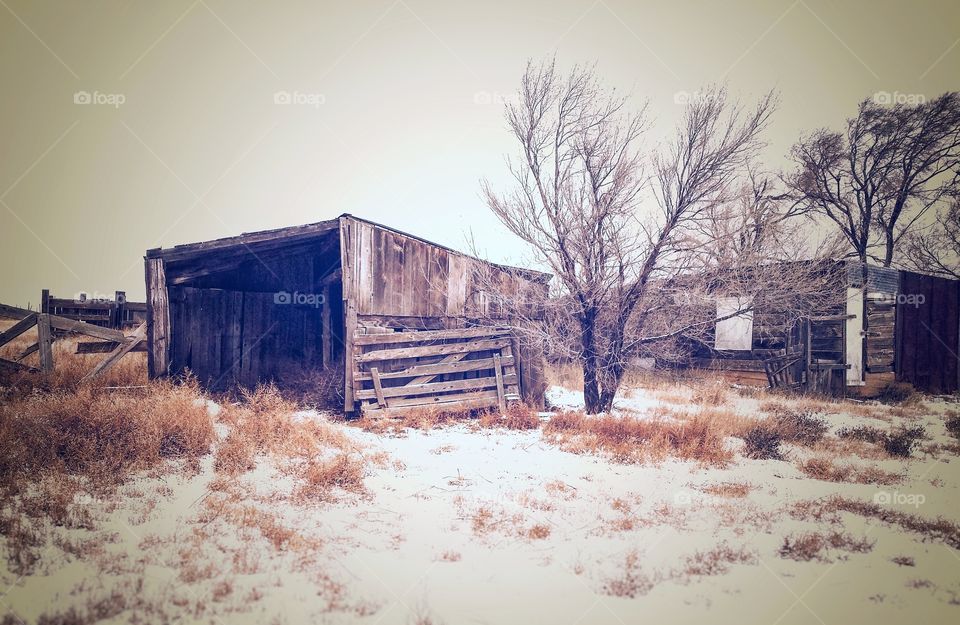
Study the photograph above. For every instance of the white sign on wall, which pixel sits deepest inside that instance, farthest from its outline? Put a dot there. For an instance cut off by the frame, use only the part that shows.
(735, 333)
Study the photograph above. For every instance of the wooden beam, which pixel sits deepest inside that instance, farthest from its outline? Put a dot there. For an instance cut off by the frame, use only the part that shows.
(432, 350)
(347, 258)
(465, 401)
(30, 350)
(18, 367)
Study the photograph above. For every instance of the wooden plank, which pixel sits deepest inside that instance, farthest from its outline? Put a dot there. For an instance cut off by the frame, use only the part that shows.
(105, 347)
(30, 350)
(158, 318)
(347, 259)
(14, 312)
(432, 370)
(377, 388)
(139, 335)
(18, 328)
(326, 329)
(431, 350)
(435, 388)
(82, 327)
(447, 360)
(498, 371)
(428, 335)
(45, 341)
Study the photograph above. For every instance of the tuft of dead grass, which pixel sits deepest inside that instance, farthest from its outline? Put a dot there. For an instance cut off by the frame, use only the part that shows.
(628, 439)
(733, 490)
(817, 546)
(821, 468)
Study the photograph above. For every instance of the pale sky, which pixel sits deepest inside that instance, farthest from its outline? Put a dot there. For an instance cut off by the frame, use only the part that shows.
(128, 125)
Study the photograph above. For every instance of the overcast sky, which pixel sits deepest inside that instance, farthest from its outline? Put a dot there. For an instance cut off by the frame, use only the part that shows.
(130, 124)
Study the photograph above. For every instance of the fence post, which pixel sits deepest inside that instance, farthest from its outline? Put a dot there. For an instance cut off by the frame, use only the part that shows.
(45, 301)
(45, 342)
(118, 313)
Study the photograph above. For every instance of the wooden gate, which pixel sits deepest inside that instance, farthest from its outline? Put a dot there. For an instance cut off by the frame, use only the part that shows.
(468, 368)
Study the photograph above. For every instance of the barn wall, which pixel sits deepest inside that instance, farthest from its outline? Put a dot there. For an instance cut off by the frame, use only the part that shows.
(393, 280)
(256, 320)
(927, 329)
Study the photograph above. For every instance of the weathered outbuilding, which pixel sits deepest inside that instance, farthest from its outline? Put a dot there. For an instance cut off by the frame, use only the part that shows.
(890, 325)
(410, 323)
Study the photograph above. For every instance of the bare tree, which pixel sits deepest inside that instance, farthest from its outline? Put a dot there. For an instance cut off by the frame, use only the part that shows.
(577, 203)
(936, 249)
(877, 180)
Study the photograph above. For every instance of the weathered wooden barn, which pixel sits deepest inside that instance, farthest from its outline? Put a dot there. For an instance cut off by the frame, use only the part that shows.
(902, 326)
(410, 323)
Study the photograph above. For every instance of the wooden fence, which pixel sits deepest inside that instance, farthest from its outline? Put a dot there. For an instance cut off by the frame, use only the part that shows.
(116, 313)
(461, 368)
(50, 328)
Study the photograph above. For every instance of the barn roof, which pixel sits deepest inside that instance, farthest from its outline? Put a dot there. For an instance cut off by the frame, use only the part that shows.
(279, 238)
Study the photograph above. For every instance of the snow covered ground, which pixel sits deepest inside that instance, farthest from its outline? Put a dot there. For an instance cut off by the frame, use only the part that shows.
(462, 524)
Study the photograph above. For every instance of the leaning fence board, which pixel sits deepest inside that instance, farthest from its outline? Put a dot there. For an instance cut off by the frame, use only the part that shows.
(377, 388)
(14, 312)
(427, 335)
(439, 368)
(16, 366)
(80, 327)
(18, 328)
(139, 335)
(436, 387)
(431, 350)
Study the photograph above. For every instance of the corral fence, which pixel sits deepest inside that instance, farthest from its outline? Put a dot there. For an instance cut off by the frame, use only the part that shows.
(116, 313)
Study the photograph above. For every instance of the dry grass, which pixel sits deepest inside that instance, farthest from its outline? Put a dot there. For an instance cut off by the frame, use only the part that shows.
(821, 468)
(716, 561)
(626, 439)
(817, 546)
(101, 436)
(899, 443)
(632, 581)
(829, 508)
(733, 490)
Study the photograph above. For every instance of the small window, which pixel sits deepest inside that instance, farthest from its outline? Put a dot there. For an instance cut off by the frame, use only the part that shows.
(734, 332)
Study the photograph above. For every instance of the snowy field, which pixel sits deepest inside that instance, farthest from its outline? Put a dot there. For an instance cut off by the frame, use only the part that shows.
(472, 523)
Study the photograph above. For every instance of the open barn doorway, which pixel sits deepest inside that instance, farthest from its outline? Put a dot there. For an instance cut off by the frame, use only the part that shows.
(256, 311)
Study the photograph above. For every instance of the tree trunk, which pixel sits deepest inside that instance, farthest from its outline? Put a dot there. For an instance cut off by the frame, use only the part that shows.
(589, 362)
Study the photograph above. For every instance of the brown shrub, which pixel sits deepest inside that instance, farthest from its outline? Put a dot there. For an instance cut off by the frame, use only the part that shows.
(632, 581)
(101, 435)
(940, 529)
